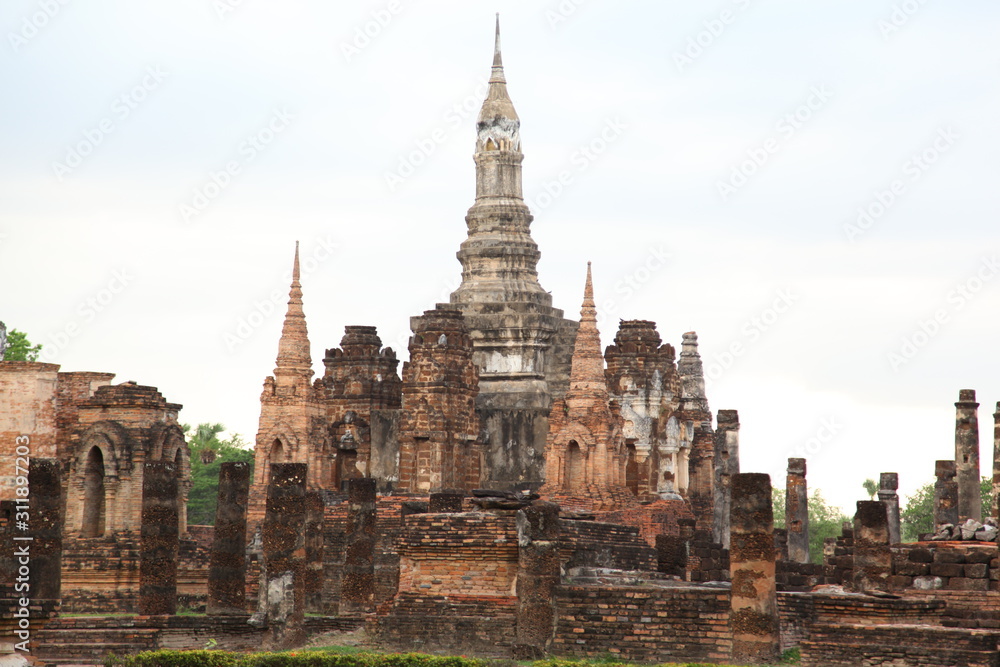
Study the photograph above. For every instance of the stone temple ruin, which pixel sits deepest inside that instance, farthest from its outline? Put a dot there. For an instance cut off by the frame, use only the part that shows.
(510, 491)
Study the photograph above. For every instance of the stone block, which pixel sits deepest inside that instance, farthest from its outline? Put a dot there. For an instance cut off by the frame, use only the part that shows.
(948, 556)
(976, 571)
(920, 556)
(965, 584)
(947, 569)
(912, 569)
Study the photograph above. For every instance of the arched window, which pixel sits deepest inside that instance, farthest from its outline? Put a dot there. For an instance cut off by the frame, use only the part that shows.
(575, 475)
(93, 494)
(277, 452)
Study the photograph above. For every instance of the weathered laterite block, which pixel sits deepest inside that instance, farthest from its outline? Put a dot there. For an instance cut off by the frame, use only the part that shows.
(46, 528)
(227, 568)
(159, 540)
(754, 615)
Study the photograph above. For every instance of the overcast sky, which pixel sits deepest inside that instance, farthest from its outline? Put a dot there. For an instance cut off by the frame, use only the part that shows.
(812, 187)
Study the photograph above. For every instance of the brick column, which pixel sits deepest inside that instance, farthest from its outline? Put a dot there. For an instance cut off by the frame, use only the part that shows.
(754, 615)
(995, 510)
(45, 521)
(159, 542)
(537, 578)
(314, 552)
(970, 502)
(887, 486)
(358, 584)
(227, 566)
(872, 556)
(727, 464)
(282, 594)
(797, 511)
(445, 502)
(945, 494)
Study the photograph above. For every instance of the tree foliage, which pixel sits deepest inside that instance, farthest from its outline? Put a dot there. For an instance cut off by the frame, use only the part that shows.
(19, 348)
(824, 520)
(871, 488)
(917, 517)
(208, 453)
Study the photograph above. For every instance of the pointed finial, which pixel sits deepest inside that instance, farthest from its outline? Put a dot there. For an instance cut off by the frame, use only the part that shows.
(497, 60)
(587, 365)
(497, 74)
(293, 346)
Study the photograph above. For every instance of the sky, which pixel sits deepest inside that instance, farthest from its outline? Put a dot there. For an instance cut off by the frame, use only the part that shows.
(809, 186)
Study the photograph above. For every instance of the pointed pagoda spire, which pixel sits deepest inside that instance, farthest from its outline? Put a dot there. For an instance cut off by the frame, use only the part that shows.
(293, 347)
(587, 372)
(497, 74)
(498, 124)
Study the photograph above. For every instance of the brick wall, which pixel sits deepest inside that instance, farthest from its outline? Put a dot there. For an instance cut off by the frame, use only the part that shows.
(598, 544)
(452, 624)
(470, 553)
(643, 624)
(851, 645)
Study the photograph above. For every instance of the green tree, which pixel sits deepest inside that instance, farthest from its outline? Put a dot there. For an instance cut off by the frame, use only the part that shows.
(208, 453)
(917, 517)
(19, 348)
(824, 520)
(871, 488)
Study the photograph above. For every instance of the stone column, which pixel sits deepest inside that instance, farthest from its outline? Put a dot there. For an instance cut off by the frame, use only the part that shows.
(45, 521)
(727, 464)
(228, 562)
(887, 486)
(445, 502)
(358, 584)
(797, 511)
(315, 508)
(945, 494)
(282, 594)
(160, 540)
(970, 500)
(754, 605)
(872, 556)
(537, 578)
(995, 510)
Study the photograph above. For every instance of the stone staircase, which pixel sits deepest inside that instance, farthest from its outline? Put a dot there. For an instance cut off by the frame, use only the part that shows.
(86, 641)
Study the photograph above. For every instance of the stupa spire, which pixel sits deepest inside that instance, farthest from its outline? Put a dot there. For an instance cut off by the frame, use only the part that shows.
(587, 372)
(293, 347)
